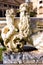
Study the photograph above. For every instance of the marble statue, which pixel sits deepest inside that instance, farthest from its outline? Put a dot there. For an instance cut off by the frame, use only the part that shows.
(15, 38)
(24, 25)
(38, 40)
(10, 34)
(9, 29)
(24, 20)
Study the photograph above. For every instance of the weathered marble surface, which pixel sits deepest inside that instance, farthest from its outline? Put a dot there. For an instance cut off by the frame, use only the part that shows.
(38, 40)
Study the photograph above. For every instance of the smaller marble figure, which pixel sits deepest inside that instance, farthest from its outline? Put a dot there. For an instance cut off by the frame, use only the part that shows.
(9, 30)
(10, 34)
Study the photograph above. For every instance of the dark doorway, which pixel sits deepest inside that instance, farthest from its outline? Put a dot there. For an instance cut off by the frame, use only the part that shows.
(4, 13)
(0, 13)
(18, 15)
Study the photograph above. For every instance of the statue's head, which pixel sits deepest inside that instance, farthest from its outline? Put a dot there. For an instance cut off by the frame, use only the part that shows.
(9, 12)
(24, 8)
(10, 16)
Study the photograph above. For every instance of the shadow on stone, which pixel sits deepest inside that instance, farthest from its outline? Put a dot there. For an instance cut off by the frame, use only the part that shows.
(28, 48)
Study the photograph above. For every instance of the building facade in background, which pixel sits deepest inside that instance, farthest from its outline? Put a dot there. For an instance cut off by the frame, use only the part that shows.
(6, 4)
(40, 9)
(39, 5)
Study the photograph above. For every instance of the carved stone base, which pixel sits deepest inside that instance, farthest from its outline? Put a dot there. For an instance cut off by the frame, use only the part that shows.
(23, 57)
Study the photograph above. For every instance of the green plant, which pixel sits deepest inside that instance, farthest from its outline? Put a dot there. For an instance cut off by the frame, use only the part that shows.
(1, 49)
(0, 54)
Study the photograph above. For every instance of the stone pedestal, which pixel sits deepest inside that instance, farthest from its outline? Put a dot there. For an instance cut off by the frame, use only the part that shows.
(23, 57)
